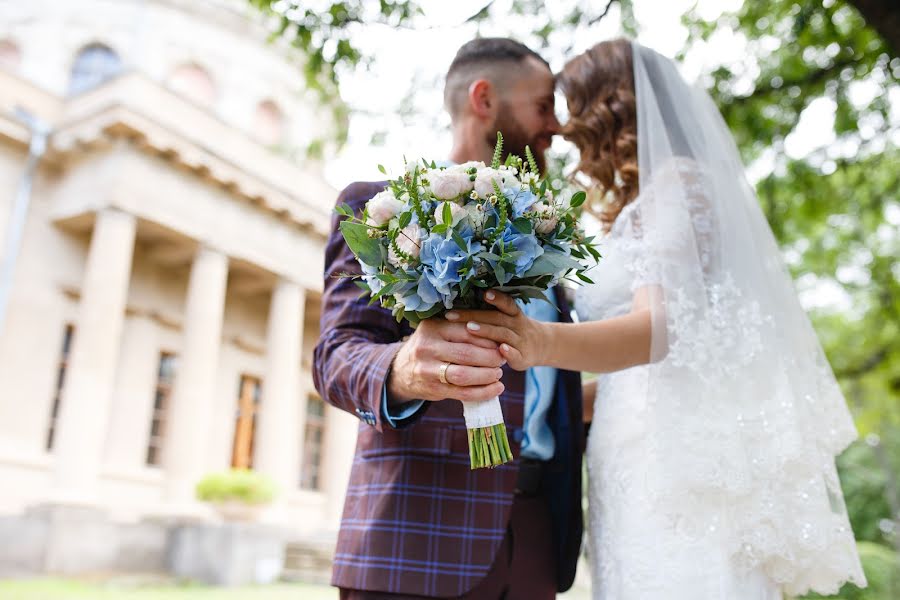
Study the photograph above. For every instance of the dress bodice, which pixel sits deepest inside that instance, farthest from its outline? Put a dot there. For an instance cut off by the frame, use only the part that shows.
(610, 294)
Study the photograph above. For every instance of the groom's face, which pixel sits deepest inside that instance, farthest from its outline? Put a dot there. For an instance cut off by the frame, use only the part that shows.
(525, 113)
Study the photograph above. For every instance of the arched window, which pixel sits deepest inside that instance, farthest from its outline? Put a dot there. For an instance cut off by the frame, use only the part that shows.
(268, 123)
(194, 82)
(94, 64)
(10, 56)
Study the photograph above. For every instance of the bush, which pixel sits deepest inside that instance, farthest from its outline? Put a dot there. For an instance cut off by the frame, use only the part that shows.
(242, 485)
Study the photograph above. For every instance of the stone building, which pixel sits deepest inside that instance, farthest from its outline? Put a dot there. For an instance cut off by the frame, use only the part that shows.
(165, 299)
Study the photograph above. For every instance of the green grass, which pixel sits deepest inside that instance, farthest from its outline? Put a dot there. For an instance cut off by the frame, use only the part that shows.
(66, 589)
(69, 589)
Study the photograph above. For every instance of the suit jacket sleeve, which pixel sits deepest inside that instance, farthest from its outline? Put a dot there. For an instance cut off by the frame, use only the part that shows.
(358, 342)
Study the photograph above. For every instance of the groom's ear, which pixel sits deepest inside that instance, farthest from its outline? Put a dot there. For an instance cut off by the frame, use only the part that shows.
(482, 98)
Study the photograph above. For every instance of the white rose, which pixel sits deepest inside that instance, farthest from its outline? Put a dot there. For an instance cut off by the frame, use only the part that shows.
(457, 212)
(408, 242)
(464, 180)
(383, 207)
(547, 219)
(484, 182)
(447, 184)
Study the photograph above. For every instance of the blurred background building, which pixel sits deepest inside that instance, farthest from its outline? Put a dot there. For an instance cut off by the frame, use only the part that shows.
(165, 301)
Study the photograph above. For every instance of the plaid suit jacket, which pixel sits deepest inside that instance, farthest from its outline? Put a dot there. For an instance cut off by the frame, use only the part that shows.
(416, 519)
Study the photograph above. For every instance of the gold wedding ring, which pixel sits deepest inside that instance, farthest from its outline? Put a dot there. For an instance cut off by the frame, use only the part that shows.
(443, 373)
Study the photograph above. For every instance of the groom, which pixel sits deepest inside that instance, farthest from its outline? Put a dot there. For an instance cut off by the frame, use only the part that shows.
(417, 521)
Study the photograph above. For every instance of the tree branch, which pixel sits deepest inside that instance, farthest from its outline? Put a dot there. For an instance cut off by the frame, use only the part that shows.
(867, 365)
(812, 78)
(884, 17)
(602, 16)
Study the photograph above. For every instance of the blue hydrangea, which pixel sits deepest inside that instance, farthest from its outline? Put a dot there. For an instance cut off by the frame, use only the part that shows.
(442, 259)
(522, 201)
(420, 296)
(527, 247)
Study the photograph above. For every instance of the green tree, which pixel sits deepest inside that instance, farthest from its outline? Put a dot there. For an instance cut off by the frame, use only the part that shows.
(835, 211)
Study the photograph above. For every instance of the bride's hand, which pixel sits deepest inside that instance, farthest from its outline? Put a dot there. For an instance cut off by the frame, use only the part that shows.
(522, 340)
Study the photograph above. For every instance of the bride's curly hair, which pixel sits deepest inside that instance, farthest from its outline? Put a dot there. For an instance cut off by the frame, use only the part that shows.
(599, 89)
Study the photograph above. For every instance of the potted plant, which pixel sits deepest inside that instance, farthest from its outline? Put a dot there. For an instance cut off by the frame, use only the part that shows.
(237, 494)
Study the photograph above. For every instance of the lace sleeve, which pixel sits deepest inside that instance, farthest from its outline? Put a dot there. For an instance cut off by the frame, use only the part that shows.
(671, 223)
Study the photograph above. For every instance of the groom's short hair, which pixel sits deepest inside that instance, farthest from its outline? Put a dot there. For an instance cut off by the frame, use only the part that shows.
(482, 58)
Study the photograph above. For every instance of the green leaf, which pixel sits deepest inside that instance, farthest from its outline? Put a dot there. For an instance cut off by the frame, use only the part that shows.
(447, 214)
(522, 225)
(551, 263)
(578, 199)
(382, 169)
(344, 210)
(405, 219)
(583, 277)
(368, 250)
(460, 241)
(427, 314)
(525, 291)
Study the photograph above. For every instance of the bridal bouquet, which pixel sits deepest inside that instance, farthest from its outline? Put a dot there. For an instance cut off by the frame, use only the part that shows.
(436, 237)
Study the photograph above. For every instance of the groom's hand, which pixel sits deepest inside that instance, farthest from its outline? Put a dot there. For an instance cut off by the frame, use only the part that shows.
(474, 365)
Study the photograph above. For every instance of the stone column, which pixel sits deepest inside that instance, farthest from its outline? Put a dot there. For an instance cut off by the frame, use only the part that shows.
(338, 449)
(85, 404)
(279, 434)
(186, 444)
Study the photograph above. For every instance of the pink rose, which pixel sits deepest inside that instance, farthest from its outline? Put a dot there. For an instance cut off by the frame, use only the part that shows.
(383, 207)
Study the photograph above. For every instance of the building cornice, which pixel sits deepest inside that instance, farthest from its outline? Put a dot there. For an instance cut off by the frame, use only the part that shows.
(159, 122)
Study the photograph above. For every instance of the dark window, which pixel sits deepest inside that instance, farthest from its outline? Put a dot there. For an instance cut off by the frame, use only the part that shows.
(93, 65)
(165, 378)
(310, 475)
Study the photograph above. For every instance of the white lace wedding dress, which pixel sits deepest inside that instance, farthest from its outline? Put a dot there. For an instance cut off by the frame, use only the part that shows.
(637, 549)
(691, 502)
(712, 473)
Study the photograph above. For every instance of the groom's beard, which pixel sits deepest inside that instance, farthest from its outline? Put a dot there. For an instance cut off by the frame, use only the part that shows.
(514, 137)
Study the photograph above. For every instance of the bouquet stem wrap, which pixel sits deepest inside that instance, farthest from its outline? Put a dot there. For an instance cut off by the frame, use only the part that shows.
(488, 442)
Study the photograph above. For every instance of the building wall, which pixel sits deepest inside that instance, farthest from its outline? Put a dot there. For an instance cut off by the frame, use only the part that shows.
(157, 36)
(178, 209)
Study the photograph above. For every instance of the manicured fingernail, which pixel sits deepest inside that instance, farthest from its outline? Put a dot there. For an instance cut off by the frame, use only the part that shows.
(473, 326)
(490, 295)
(503, 363)
(452, 316)
(504, 347)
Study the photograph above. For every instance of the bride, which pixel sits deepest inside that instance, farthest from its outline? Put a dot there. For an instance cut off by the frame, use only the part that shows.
(717, 418)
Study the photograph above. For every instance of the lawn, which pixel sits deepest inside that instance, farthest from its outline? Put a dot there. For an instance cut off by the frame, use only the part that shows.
(143, 589)
(64, 589)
